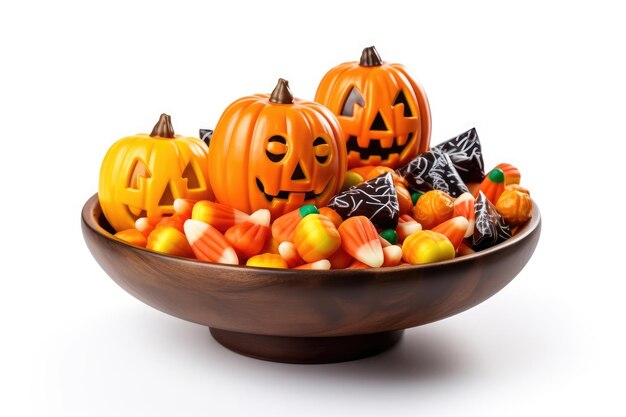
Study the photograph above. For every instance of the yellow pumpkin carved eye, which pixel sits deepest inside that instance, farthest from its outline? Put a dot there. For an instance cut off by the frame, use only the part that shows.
(139, 169)
(321, 150)
(276, 148)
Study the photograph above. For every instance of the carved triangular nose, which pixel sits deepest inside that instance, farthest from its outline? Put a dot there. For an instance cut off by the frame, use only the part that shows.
(378, 123)
(298, 174)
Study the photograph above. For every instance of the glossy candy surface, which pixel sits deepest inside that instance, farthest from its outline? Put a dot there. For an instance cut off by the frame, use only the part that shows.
(208, 244)
(425, 247)
(433, 170)
(249, 237)
(142, 175)
(284, 227)
(490, 228)
(375, 199)
(466, 155)
(267, 260)
(384, 113)
(433, 208)
(217, 215)
(276, 152)
(515, 207)
(316, 238)
(360, 240)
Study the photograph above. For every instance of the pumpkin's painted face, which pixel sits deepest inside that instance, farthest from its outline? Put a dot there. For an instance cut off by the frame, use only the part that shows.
(142, 175)
(383, 112)
(275, 155)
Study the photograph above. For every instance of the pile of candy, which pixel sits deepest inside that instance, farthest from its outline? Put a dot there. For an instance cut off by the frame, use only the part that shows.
(439, 206)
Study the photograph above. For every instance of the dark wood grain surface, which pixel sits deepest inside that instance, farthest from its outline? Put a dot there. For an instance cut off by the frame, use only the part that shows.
(306, 304)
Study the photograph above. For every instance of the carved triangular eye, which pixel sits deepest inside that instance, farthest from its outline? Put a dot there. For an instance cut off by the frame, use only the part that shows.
(192, 177)
(354, 97)
(167, 198)
(138, 170)
(378, 123)
(401, 98)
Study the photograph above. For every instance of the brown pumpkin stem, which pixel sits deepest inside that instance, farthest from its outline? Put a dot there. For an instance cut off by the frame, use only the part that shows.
(282, 94)
(370, 57)
(163, 128)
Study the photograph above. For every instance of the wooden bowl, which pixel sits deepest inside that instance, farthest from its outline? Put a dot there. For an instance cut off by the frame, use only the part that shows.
(306, 316)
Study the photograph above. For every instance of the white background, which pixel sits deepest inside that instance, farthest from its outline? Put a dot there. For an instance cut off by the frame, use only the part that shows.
(542, 82)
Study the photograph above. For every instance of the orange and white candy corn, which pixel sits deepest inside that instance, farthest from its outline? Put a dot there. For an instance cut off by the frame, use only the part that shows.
(288, 252)
(169, 240)
(249, 237)
(183, 207)
(174, 221)
(360, 239)
(218, 215)
(322, 264)
(316, 238)
(406, 226)
(208, 244)
(454, 229)
(284, 227)
(132, 236)
(393, 255)
(267, 260)
(356, 264)
(464, 206)
(147, 224)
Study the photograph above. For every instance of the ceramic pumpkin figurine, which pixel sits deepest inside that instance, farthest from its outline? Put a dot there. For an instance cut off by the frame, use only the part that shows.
(276, 152)
(384, 113)
(142, 175)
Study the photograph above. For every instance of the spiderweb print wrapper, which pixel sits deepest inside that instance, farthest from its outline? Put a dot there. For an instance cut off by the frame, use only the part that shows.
(433, 170)
(466, 155)
(375, 199)
(490, 229)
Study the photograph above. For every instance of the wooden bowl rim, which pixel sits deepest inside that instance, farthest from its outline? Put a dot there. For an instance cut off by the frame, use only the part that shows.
(92, 210)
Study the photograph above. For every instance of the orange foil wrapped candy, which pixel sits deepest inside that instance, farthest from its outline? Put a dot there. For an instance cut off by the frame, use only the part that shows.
(433, 208)
(515, 207)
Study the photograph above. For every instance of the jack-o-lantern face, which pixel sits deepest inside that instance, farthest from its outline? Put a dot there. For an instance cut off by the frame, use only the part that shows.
(384, 113)
(276, 152)
(142, 175)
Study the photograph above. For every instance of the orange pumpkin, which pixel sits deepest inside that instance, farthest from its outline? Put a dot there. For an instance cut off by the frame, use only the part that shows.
(384, 113)
(276, 152)
(142, 175)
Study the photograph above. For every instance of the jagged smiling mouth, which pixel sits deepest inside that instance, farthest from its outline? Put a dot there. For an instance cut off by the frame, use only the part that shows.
(284, 195)
(374, 147)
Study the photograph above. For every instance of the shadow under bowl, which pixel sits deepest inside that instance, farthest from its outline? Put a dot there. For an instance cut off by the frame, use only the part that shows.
(306, 316)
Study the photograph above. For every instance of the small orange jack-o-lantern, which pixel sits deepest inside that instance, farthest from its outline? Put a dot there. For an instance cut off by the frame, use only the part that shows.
(384, 113)
(276, 152)
(142, 175)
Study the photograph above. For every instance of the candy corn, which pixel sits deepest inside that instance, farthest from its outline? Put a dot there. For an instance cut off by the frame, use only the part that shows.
(454, 229)
(406, 226)
(332, 215)
(493, 185)
(322, 264)
(464, 206)
(132, 236)
(316, 238)
(425, 247)
(360, 239)
(340, 259)
(511, 173)
(288, 252)
(208, 244)
(249, 237)
(284, 227)
(464, 249)
(217, 215)
(267, 260)
(174, 221)
(147, 224)
(183, 207)
(356, 264)
(392, 255)
(170, 240)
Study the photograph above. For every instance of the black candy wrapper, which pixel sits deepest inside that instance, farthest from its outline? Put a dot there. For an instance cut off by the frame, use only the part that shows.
(433, 170)
(375, 199)
(466, 155)
(490, 229)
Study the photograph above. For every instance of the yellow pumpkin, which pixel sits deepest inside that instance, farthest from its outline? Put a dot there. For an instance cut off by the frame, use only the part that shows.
(384, 113)
(142, 175)
(276, 152)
